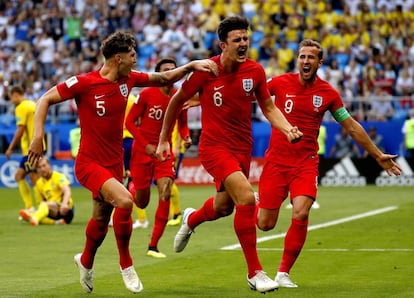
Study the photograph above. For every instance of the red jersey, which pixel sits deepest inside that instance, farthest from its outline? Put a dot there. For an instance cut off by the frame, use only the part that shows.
(226, 103)
(304, 108)
(101, 108)
(149, 108)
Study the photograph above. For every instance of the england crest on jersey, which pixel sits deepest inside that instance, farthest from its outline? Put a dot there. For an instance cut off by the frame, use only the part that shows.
(124, 90)
(317, 101)
(247, 85)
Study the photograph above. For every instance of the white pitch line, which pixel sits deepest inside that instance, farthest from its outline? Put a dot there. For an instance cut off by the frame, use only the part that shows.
(320, 226)
(346, 249)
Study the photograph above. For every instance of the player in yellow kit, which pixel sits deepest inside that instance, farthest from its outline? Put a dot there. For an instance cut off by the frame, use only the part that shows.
(24, 114)
(52, 190)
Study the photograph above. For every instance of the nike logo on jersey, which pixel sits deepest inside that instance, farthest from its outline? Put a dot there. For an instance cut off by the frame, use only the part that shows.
(218, 88)
(158, 106)
(99, 96)
(290, 95)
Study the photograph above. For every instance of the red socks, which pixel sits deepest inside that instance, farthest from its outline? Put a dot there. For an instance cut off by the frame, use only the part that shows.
(245, 228)
(294, 241)
(122, 229)
(95, 235)
(205, 213)
(161, 218)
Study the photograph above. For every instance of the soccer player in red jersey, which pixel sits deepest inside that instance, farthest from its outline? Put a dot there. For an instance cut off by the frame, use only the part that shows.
(293, 168)
(101, 97)
(225, 146)
(149, 109)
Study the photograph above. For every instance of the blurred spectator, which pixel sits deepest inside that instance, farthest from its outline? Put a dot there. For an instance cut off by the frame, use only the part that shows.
(383, 82)
(74, 29)
(344, 146)
(266, 48)
(90, 23)
(334, 74)
(138, 23)
(174, 43)
(381, 106)
(45, 45)
(272, 68)
(208, 22)
(404, 84)
(195, 35)
(376, 138)
(408, 132)
(285, 56)
(152, 31)
(352, 76)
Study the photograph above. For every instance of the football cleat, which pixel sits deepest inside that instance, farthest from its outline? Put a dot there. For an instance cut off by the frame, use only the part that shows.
(262, 283)
(140, 225)
(184, 233)
(131, 280)
(174, 221)
(155, 254)
(284, 281)
(86, 275)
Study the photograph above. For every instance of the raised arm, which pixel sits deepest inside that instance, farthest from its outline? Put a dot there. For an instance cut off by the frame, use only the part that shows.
(358, 133)
(51, 97)
(171, 76)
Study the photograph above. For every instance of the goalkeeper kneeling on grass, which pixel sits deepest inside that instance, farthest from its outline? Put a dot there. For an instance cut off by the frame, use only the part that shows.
(54, 196)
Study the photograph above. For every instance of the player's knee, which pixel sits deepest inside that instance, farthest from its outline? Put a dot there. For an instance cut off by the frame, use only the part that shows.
(224, 211)
(265, 225)
(125, 201)
(301, 214)
(165, 195)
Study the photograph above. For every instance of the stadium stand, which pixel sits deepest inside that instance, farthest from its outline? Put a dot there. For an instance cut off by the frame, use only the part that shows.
(372, 33)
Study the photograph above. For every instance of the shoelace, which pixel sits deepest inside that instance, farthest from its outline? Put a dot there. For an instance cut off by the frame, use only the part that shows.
(261, 275)
(129, 273)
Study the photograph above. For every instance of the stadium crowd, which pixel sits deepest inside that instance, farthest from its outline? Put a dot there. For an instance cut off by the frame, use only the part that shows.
(369, 44)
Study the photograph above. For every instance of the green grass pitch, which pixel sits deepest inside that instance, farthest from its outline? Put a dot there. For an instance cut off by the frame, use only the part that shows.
(361, 244)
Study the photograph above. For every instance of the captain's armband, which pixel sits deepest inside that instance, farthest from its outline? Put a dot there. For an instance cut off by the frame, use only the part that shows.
(341, 114)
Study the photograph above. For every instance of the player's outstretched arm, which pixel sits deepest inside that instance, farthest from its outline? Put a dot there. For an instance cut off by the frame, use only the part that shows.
(173, 75)
(358, 133)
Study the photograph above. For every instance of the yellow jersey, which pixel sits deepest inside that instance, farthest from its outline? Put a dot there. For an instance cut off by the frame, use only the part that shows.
(130, 102)
(50, 190)
(24, 114)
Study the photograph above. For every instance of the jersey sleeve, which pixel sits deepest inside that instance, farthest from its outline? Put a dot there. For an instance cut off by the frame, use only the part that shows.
(140, 79)
(71, 87)
(271, 86)
(21, 115)
(262, 92)
(194, 82)
(337, 104)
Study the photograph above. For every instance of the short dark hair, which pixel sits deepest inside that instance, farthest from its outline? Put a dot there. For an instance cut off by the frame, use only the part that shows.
(164, 61)
(312, 43)
(230, 24)
(118, 42)
(16, 89)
